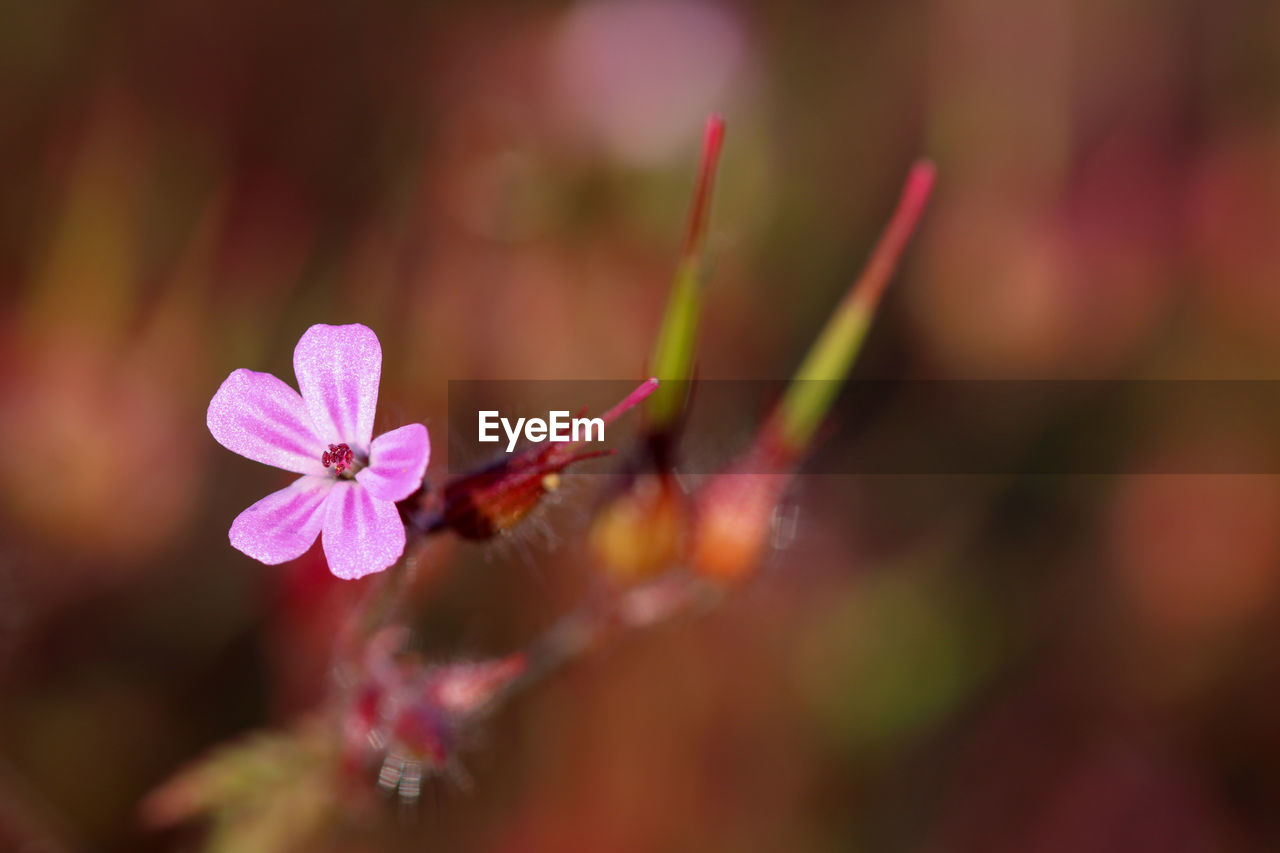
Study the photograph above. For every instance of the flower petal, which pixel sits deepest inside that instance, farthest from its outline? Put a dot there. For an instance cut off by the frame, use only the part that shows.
(397, 461)
(260, 417)
(338, 369)
(362, 535)
(282, 526)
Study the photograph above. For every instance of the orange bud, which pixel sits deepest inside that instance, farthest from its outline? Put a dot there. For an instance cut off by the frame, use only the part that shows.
(733, 523)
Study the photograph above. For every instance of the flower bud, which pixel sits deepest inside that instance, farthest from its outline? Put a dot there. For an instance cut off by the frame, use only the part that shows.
(487, 502)
(733, 516)
(408, 719)
(733, 523)
(483, 504)
(640, 531)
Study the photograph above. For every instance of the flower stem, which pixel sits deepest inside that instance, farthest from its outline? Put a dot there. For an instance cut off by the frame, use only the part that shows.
(672, 360)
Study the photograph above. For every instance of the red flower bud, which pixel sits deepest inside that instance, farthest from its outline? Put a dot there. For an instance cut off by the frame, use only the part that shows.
(483, 504)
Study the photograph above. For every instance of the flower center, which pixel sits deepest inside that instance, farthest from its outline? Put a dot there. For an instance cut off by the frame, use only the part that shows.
(339, 456)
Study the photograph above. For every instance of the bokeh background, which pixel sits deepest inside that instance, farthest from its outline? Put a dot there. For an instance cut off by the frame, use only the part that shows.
(935, 663)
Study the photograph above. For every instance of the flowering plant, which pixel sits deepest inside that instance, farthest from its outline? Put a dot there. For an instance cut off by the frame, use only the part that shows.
(350, 481)
(661, 550)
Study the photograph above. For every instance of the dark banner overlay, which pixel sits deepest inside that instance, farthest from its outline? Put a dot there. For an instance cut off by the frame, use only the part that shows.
(915, 427)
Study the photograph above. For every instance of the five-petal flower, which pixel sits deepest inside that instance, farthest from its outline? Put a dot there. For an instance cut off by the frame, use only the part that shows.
(350, 481)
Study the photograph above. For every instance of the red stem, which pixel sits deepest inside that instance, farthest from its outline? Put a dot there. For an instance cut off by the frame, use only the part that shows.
(870, 285)
(712, 139)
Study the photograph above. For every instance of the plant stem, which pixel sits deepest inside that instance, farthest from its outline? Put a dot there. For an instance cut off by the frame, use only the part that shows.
(672, 361)
(825, 367)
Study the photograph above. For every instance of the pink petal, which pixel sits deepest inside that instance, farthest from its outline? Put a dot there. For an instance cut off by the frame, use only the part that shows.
(260, 417)
(397, 461)
(338, 369)
(282, 526)
(362, 535)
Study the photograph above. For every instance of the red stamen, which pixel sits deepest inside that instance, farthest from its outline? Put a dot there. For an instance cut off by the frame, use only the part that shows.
(338, 455)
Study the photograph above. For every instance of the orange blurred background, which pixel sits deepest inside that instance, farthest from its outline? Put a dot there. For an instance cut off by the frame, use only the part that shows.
(942, 663)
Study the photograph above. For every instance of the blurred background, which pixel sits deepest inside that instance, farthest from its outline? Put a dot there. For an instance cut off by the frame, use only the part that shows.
(499, 190)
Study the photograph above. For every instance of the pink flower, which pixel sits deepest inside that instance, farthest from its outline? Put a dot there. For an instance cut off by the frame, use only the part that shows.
(350, 484)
